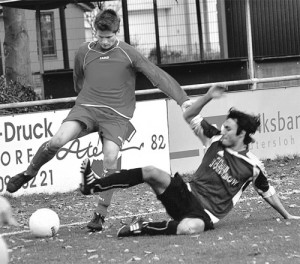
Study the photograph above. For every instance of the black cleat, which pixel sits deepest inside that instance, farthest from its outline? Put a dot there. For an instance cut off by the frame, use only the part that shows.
(87, 178)
(16, 182)
(135, 228)
(96, 224)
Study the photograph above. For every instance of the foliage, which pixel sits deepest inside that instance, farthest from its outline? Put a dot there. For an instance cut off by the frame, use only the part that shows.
(15, 92)
(167, 55)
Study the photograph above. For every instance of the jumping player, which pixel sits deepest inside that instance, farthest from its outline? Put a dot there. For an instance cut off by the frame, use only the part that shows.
(104, 78)
(227, 168)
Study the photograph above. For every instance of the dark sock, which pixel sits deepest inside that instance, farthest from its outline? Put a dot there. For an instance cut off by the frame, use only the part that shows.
(121, 179)
(43, 155)
(161, 228)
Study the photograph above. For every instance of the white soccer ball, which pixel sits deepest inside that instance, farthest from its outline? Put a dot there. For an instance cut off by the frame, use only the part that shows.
(44, 222)
(3, 252)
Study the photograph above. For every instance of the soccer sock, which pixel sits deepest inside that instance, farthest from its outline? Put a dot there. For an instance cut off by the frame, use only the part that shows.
(113, 179)
(161, 228)
(43, 155)
(104, 202)
(120, 179)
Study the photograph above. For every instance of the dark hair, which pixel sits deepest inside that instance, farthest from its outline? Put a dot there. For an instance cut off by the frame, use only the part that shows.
(248, 123)
(107, 20)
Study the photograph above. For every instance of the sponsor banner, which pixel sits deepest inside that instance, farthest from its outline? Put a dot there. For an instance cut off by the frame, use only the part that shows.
(21, 135)
(279, 133)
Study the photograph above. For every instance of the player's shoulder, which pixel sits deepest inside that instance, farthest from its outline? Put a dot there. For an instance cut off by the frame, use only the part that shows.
(255, 161)
(127, 48)
(85, 46)
(125, 45)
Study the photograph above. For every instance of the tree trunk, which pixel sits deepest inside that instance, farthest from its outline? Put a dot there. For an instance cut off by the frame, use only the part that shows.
(16, 47)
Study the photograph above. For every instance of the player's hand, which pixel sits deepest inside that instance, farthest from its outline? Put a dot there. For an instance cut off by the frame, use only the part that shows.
(293, 217)
(216, 91)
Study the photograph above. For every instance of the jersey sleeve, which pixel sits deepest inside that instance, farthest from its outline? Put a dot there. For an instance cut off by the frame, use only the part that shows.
(159, 78)
(261, 184)
(201, 127)
(203, 130)
(78, 73)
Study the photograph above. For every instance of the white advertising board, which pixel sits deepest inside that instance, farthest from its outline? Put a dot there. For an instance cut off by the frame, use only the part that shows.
(279, 135)
(22, 135)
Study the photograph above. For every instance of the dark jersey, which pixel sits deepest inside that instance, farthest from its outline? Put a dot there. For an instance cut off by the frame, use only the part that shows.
(224, 174)
(107, 79)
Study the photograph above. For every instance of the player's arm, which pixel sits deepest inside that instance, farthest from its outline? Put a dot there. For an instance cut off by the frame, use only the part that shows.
(78, 74)
(192, 114)
(159, 78)
(275, 202)
(214, 92)
(269, 195)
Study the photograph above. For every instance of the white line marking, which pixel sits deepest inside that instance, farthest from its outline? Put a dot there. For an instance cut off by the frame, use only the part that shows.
(82, 223)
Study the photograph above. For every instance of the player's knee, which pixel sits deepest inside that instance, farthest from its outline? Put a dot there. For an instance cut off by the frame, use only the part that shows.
(150, 173)
(189, 226)
(51, 146)
(56, 143)
(110, 160)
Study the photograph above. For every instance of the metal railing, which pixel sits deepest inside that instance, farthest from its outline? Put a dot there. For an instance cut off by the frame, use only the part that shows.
(252, 81)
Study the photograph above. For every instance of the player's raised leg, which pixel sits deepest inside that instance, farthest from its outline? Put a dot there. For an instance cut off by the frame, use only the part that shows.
(68, 131)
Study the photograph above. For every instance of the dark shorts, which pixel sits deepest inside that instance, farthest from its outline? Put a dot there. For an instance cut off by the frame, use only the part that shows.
(105, 121)
(180, 203)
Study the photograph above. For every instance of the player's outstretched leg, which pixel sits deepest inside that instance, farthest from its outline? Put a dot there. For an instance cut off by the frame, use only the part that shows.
(135, 228)
(43, 155)
(16, 182)
(92, 183)
(139, 226)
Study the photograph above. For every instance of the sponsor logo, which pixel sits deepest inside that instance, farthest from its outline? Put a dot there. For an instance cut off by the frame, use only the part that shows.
(278, 122)
(104, 58)
(222, 169)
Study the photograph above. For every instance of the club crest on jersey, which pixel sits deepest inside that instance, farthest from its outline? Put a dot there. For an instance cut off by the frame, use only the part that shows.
(104, 58)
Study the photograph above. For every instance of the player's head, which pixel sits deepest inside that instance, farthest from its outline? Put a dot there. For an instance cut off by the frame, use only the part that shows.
(239, 127)
(107, 24)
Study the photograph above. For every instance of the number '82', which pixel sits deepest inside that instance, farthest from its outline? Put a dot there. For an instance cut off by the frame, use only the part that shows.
(158, 142)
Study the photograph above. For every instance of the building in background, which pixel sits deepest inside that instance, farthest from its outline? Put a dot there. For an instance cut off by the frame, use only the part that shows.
(195, 41)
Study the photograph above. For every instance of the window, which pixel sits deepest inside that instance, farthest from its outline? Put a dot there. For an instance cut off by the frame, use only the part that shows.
(47, 34)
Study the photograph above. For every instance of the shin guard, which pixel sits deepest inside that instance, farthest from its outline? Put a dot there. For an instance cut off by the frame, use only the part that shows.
(43, 155)
(119, 179)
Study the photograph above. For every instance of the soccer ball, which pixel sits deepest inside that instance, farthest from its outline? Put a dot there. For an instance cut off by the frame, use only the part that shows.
(3, 251)
(44, 222)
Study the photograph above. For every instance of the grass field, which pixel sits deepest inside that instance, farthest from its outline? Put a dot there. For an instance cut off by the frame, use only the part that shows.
(252, 233)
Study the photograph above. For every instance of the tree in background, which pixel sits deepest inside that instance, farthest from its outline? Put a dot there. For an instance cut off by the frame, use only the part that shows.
(16, 47)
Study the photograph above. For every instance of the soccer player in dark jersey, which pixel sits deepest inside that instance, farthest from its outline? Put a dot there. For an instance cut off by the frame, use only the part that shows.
(104, 78)
(227, 168)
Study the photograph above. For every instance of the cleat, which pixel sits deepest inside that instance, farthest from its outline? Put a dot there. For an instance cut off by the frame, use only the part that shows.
(87, 178)
(16, 182)
(96, 224)
(135, 228)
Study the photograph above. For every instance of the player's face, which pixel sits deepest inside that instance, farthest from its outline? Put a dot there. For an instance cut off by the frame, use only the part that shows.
(229, 137)
(106, 39)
